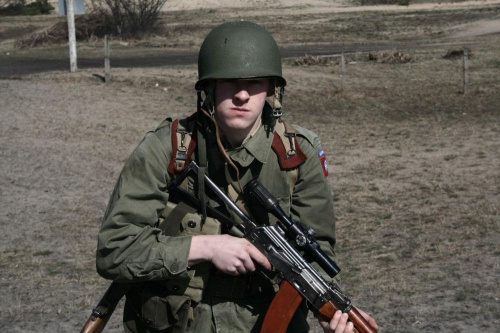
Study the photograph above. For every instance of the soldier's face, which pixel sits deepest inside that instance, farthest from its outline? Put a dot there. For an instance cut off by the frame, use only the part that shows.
(239, 104)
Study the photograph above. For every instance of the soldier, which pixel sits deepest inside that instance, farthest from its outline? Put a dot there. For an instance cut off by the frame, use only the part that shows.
(189, 274)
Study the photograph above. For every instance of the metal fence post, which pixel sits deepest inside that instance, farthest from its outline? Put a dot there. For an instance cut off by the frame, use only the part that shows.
(343, 74)
(107, 66)
(466, 70)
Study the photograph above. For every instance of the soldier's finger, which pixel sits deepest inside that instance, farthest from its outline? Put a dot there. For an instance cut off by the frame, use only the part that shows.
(325, 325)
(259, 258)
(240, 268)
(341, 324)
(335, 320)
(248, 263)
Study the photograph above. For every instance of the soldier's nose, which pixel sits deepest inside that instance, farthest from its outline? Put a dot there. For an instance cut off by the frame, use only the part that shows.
(242, 95)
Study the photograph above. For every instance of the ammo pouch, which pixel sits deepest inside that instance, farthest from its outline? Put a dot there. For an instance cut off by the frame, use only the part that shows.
(168, 304)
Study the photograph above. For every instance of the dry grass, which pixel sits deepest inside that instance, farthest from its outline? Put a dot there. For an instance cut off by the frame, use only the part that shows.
(415, 171)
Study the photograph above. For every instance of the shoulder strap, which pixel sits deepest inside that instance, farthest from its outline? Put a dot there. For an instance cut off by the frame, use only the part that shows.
(183, 145)
(286, 146)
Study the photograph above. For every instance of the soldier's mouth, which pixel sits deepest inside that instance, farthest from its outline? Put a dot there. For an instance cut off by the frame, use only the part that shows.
(240, 109)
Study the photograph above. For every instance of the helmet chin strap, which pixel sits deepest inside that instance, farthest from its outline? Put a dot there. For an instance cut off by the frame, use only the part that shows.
(207, 108)
(277, 104)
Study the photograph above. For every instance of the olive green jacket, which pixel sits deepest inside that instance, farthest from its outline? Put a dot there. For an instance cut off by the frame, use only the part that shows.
(132, 248)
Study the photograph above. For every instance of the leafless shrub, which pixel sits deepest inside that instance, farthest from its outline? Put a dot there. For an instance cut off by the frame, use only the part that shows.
(372, 56)
(390, 58)
(126, 18)
(309, 60)
(87, 27)
(455, 54)
(396, 58)
(129, 18)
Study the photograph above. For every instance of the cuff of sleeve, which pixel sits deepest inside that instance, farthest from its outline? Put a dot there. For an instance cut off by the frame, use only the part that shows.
(175, 253)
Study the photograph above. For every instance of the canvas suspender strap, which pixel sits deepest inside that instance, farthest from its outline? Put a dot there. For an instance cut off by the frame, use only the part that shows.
(285, 145)
(203, 166)
(233, 192)
(183, 146)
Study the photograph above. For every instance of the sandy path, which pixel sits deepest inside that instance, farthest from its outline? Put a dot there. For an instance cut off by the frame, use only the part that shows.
(479, 29)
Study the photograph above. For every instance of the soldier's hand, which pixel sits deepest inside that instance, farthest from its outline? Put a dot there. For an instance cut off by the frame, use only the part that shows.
(339, 323)
(231, 255)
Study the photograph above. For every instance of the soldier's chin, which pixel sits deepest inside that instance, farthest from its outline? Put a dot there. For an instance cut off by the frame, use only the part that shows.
(238, 125)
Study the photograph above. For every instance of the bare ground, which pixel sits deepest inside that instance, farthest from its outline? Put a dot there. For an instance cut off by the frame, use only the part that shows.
(414, 164)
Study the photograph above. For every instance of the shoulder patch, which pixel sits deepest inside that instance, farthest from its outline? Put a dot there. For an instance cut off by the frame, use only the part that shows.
(324, 163)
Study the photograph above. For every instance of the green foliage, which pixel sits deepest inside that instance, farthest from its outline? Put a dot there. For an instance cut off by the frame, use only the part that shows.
(19, 7)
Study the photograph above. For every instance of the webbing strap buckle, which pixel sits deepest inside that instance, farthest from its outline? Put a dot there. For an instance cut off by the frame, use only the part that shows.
(291, 139)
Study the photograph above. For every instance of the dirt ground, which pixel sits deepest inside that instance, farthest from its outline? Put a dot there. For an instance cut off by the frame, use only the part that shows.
(414, 163)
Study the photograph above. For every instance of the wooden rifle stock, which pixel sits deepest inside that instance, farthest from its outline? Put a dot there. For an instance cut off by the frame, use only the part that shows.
(103, 311)
(96, 324)
(285, 304)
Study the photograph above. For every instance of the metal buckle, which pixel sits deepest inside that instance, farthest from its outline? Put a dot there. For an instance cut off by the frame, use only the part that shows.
(292, 152)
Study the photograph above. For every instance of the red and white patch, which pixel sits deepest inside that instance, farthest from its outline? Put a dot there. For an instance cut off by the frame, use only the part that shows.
(324, 163)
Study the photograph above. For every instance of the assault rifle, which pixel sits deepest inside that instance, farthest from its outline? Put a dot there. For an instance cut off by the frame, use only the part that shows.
(280, 243)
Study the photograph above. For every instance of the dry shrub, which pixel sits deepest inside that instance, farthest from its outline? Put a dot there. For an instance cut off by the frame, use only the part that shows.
(455, 54)
(87, 27)
(125, 18)
(21, 7)
(390, 58)
(130, 18)
(309, 60)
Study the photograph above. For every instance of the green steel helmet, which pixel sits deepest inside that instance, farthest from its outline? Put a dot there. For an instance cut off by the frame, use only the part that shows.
(239, 50)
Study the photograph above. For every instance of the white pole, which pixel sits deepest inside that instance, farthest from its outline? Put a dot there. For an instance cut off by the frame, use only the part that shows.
(71, 34)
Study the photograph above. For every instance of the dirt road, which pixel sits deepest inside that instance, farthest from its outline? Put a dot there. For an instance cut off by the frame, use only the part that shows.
(137, 58)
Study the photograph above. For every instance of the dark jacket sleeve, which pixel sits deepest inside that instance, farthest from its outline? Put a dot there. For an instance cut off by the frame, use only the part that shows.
(130, 246)
(312, 202)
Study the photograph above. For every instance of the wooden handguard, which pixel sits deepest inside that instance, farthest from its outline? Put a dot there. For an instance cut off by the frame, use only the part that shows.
(282, 309)
(360, 324)
(286, 303)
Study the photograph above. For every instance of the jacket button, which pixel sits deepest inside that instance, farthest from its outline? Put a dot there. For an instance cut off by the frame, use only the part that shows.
(176, 287)
(174, 268)
(191, 224)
